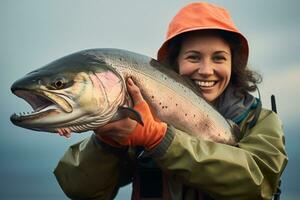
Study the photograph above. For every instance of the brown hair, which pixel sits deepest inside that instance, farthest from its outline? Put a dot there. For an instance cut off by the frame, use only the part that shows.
(242, 78)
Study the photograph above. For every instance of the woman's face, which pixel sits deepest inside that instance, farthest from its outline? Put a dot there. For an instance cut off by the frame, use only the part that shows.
(206, 59)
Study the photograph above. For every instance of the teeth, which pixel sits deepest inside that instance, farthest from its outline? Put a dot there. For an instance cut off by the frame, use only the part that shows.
(205, 83)
(22, 114)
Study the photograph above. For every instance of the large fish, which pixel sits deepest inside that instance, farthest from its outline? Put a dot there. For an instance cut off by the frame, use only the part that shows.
(87, 89)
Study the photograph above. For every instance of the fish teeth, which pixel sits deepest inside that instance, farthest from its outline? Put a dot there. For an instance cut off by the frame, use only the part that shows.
(21, 114)
(28, 113)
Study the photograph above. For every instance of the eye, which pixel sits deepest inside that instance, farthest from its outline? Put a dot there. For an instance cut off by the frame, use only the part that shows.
(219, 58)
(193, 58)
(59, 83)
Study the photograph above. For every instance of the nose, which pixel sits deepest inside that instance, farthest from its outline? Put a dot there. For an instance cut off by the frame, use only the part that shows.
(205, 68)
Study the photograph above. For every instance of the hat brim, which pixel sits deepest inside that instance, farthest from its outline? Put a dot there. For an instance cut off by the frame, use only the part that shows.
(243, 52)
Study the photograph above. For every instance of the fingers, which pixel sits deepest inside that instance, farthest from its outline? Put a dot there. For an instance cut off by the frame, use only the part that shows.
(66, 132)
(134, 92)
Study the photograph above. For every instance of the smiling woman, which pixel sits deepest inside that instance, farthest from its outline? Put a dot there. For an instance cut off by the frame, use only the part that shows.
(233, 54)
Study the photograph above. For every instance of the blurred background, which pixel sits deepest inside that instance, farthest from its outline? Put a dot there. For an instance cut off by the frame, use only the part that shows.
(35, 32)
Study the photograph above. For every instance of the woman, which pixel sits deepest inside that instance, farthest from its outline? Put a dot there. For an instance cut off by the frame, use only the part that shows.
(204, 45)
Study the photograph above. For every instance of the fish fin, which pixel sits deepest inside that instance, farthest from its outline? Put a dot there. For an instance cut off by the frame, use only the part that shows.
(124, 112)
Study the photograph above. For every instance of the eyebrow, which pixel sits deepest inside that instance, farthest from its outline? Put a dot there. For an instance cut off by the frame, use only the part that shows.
(191, 51)
(221, 52)
(197, 52)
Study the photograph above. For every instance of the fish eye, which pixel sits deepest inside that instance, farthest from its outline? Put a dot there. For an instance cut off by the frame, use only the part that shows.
(59, 83)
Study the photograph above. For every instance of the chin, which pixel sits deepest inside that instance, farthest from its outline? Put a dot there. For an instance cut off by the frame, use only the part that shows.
(209, 99)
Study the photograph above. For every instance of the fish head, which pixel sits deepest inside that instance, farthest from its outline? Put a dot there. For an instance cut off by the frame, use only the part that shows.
(79, 92)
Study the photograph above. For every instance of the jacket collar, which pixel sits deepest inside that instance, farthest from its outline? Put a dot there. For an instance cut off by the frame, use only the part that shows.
(234, 107)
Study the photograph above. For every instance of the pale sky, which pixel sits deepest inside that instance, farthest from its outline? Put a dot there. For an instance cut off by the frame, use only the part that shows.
(34, 33)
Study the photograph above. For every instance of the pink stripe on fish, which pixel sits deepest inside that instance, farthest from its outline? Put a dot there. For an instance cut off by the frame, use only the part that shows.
(109, 86)
(108, 79)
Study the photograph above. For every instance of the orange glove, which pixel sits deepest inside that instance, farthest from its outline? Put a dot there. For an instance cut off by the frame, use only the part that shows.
(148, 135)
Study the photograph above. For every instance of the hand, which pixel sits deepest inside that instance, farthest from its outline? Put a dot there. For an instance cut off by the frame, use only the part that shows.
(127, 132)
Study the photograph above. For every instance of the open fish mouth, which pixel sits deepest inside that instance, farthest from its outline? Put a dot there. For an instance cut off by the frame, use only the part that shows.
(42, 102)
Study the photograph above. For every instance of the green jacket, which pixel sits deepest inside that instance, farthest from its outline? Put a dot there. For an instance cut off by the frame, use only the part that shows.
(251, 170)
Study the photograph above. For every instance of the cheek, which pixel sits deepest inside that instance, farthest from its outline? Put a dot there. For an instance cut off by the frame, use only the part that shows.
(225, 72)
(182, 71)
(185, 68)
(181, 68)
(229, 71)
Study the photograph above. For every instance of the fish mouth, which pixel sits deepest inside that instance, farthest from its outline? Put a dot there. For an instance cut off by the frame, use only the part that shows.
(43, 104)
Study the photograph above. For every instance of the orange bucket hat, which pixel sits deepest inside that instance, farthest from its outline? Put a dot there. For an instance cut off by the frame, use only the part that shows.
(203, 16)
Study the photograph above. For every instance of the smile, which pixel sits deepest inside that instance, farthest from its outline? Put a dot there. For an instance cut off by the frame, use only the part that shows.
(205, 83)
